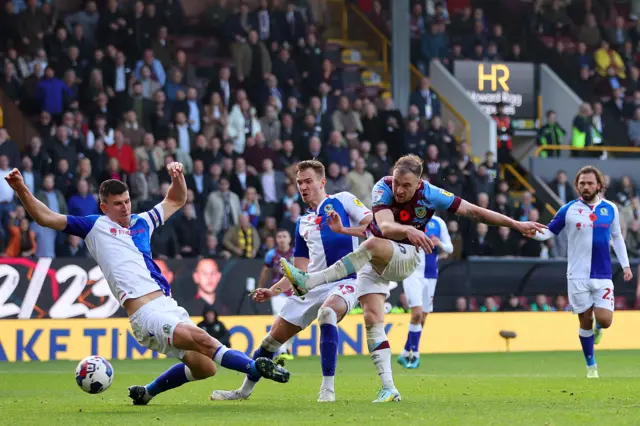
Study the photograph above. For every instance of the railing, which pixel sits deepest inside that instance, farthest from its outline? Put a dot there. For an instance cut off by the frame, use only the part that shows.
(624, 149)
(512, 170)
(20, 129)
(365, 30)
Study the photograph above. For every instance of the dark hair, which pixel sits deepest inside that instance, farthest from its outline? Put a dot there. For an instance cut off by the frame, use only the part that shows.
(587, 170)
(279, 230)
(409, 163)
(317, 167)
(112, 187)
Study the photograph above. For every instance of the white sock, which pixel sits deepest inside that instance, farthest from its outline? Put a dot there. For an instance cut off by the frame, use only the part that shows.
(328, 382)
(247, 387)
(405, 353)
(380, 353)
(346, 266)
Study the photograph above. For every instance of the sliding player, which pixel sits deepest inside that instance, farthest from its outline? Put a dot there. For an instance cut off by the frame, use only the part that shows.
(402, 206)
(420, 288)
(592, 225)
(317, 245)
(120, 244)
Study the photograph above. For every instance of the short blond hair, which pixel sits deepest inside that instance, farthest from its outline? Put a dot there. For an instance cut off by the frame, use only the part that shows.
(409, 164)
(317, 167)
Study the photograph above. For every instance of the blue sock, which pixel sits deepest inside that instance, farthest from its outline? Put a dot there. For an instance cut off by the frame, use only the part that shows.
(415, 331)
(407, 344)
(235, 360)
(586, 340)
(260, 353)
(172, 378)
(328, 349)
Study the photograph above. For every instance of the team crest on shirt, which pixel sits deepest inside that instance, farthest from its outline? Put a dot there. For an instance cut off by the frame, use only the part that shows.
(604, 211)
(166, 329)
(447, 193)
(328, 208)
(377, 195)
(421, 212)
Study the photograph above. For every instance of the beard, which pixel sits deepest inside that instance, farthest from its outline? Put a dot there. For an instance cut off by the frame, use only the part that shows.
(588, 197)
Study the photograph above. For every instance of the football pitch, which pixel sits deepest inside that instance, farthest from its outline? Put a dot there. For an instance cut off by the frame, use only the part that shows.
(467, 389)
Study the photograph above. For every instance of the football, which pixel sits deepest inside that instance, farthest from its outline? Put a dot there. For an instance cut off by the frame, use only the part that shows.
(94, 374)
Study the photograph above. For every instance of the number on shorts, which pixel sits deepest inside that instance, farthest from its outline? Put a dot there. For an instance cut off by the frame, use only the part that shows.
(402, 249)
(607, 292)
(346, 289)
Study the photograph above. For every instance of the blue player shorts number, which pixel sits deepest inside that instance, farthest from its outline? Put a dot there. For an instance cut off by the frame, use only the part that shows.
(402, 249)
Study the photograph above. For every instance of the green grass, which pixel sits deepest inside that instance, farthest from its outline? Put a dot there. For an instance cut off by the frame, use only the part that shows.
(471, 389)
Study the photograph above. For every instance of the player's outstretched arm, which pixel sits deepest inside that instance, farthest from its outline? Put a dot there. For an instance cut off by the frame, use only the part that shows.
(479, 214)
(36, 209)
(177, 195)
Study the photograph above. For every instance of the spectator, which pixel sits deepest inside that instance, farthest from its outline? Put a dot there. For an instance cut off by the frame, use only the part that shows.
(272, 183)
(100, 130)
(606, 58)
(190, 230)
(243, 240)
(415, 140)
(73, 247)
(290, 221)
(490, 304)
(530, 247)
(131, 129)
(211, 249)
(215, 117)
(114, 171)
(618, 34)
(212, 325)
(632, 240)
(346, 121)
(634, 128)
(589, 33)
(551, 134)
(32, 178)
(83, 203)
(360, 182)
(582, 129)
(253, 64)
(164, 242)
(123, 153)
(179, 154)
(87, 19)
(562, 188)
(51, 92)
(150, 152)
(241, 179)
(54, 200)
(155, 66)
(480, 245)
(270, 125)
(561, 304)
(425, 99)
(505, 243)
(222, 209)
(337, 152)
(144, 184)
(257, 151)
(336, 182)
(64, 178)
(22, 241)
(513, 304)
(251, 206)
(242, 123)
(462, 305)
(541, 304)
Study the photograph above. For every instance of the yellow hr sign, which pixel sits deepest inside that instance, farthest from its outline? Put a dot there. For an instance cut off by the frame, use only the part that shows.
(499, 74)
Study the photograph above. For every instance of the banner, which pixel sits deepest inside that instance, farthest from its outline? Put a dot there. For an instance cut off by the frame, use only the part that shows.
(74, 287)
(511, 83)
(74, 339)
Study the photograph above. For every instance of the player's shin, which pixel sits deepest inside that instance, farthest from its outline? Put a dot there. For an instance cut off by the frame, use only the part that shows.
(267, 349)
(380, 353)
(415, 332)
(350, 264)
(175, 376)
(235, 360)
(587, 342)
(328, 321)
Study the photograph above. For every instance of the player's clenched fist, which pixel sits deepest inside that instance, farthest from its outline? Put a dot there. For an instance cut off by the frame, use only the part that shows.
(175, 169)
(14, 179)
(261, 295)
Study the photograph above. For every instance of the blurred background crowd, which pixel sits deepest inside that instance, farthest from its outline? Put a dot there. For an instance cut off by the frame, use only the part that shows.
(118, 89)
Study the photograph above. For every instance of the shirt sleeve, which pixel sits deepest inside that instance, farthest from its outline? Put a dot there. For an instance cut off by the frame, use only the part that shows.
(154, 217)
(353, 206)
(617, 240)
(445, 238)
(381, 196)
(80, 226)
(441, 199)
(557, 223)
(300, 249)
(268, 259)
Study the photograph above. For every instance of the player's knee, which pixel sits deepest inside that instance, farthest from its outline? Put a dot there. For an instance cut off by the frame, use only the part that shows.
(605, 322)
(327, 315)
(416, 317)
(373, 316)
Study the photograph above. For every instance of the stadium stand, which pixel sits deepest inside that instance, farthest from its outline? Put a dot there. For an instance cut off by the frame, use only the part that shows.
(241, 91)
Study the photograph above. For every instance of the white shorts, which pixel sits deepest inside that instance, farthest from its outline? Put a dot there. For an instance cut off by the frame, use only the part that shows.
(278, 302)
(420, 290)
(302, 311)
(588, 292)
(154, 323)
(404, 261)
